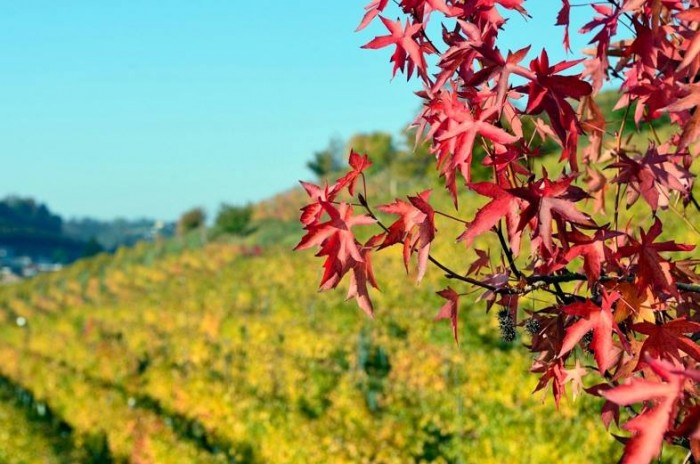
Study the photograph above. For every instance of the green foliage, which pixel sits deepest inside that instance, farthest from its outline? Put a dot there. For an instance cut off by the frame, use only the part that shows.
(234, 220)
(327, 161)
(26, 213)
(92, 247)
(191, 220)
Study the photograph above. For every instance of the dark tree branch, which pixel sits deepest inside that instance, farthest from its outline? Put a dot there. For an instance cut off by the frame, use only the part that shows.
(508, 252)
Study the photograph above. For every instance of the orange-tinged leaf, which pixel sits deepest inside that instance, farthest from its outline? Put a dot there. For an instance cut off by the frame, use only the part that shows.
(632, 302)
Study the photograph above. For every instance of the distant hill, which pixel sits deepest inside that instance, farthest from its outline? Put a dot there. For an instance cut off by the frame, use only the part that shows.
(28, 228)
(118, 232)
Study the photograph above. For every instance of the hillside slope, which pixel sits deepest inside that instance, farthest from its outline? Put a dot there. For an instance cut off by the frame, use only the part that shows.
(214, 355)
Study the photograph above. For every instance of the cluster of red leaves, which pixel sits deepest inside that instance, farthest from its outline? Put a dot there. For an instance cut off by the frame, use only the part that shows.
(616, 294)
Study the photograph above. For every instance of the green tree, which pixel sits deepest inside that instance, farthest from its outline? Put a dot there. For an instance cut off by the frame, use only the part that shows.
(328, 160)
(234, 220)
(92, 247)
(191, 220)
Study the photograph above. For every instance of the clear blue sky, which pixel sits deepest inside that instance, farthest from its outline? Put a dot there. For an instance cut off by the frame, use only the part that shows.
(146, 108)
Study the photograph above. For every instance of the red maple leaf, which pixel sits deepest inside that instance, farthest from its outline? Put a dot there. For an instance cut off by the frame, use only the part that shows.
(483, 260)
(495, 67)
(371, 12)
(608, 21)
(358, 164)
(563, 20)
(312, 212)
(648, 428)
(407, 49)
(548, 92)
(653, 271)
(362, 274)
(454, 128)
(337, 242)
(551, 200)
(423, 8)
(600, 320)
(692, 49)
(688, 114)
(457, 142)
(553, 371)
(652, 176)
(503, 204)
(449, 310)
(592, 249)
(415, 228)
(666, 341)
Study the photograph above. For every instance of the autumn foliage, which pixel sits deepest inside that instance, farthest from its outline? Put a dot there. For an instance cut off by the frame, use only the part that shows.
(620, 303)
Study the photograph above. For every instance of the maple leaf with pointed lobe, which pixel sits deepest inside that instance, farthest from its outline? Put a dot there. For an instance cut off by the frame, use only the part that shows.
(483, 260)
(361, 275)
(415, 228)
(371, 12)
(336, 241)
(638, 304)
(312, 212)
(607, 21)
(424, 7)
(507, 157)
(498, 280)
(503, 204)
(600, 320)
(457, 141)
(549, 201)
(552, 371)
(358, 164)
(495, 67)
(692, 50)
(407, 51)
(652, 270)
(563, 20)
(591, 249)
(653, 177)
(650, 425)
(450, 309)
(548, 92)
(687, 106)
(666, 341)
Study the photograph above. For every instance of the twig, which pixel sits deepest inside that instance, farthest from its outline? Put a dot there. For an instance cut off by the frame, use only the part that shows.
(508, 252)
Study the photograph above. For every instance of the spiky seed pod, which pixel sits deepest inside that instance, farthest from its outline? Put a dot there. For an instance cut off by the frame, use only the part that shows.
(587, 340)
(532, 326)
(507, 325)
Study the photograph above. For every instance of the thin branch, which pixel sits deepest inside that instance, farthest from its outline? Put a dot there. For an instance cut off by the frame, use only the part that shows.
(508, 252)
(694, 202)
(449, 216)
(578, 277)
(450, 274)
